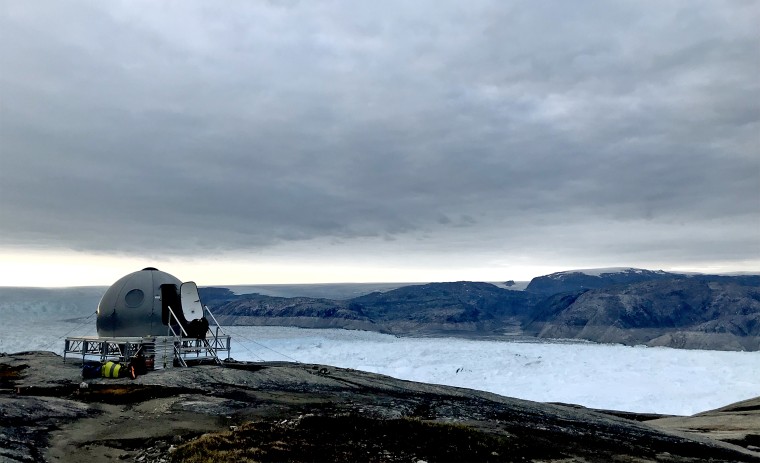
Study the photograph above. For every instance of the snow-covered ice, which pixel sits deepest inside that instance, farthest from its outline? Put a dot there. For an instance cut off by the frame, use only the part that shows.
(641, 379)
(658, 380)
(597, 272)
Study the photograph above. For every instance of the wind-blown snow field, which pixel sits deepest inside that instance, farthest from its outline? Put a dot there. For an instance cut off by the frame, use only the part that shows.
(637, 379)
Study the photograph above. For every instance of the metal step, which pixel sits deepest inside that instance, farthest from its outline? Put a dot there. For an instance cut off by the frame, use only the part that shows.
(195, 349)
(200, 350)
(201, 359)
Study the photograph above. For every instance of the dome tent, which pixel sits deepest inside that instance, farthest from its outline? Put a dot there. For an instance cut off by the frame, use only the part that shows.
(137, 304)
(154, 315)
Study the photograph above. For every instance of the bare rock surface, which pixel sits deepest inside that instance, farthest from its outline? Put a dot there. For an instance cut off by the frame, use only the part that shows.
(737, 423)
(302, 412)
(628, 306)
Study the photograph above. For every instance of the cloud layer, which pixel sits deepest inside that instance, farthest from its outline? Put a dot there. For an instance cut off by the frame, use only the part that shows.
(622, 131)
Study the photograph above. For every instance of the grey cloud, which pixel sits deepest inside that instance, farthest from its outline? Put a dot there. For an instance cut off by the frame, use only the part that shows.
(239, 127)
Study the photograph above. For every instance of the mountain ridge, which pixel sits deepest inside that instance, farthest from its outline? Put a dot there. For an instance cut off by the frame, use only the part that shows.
(624, 305)
(631, 306)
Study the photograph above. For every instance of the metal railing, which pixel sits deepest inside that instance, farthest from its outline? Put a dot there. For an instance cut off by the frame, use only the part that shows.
(221, 343)
(201, 348)
(183, 347)
(173, 316)
(102, 349)
(178, 354)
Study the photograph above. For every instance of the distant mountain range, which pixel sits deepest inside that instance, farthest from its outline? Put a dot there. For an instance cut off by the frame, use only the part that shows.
(628, 306)
(574, 280)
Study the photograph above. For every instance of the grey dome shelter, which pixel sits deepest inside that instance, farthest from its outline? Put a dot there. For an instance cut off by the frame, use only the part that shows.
(136, 304)
(152, 312)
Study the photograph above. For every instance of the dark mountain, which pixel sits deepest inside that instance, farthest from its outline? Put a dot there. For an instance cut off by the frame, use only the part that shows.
(338, 291)
(574, 280)
(743, 280)
(436, 307)
(215, 297)
(689, 312)
(459, 306)
(630, 307)
(304, 312)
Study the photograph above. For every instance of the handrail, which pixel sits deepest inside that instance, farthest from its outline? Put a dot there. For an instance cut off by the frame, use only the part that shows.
(178, 356)
(208, 345)
(219, 327)
(178, 322)
(213, 348)
(174, 333)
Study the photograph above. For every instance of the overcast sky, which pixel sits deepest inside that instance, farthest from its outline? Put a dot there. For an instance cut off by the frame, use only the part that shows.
(286, 141)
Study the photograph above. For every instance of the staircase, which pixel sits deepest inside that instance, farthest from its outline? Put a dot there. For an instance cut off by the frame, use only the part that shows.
(190, 350)
(174, 348)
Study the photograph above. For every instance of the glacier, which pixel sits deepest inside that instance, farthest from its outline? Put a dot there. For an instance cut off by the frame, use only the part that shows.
(615, 377)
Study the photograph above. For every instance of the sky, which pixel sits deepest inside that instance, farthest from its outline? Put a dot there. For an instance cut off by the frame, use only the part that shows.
(339, 141)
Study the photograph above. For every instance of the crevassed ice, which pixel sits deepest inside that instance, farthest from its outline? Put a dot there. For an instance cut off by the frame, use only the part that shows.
(638, 379)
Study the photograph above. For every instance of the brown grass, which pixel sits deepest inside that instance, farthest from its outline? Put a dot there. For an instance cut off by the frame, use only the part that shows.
(348, 438)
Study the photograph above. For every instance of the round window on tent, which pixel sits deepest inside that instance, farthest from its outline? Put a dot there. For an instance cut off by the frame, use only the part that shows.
(134, 298)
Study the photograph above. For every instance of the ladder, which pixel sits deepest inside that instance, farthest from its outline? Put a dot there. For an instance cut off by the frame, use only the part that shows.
(201, 349)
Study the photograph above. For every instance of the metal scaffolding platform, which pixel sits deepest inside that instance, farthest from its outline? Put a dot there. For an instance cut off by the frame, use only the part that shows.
(174, 349)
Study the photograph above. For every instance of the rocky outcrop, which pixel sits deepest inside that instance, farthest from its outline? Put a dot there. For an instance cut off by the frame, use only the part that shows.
(736, 424)
(303, 412)
(464, 307)
(693, 312)
(459, 306)
(257, 305)
(687, 313)
(575, 280)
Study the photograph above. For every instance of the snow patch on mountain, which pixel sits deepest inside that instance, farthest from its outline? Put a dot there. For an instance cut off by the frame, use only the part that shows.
(598, 272)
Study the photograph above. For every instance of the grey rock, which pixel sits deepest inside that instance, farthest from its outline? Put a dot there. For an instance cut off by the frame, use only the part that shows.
(692, 313)
(84, 426)
(631, 307)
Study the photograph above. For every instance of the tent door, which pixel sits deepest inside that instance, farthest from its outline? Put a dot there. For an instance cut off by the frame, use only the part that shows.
(169, 298)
